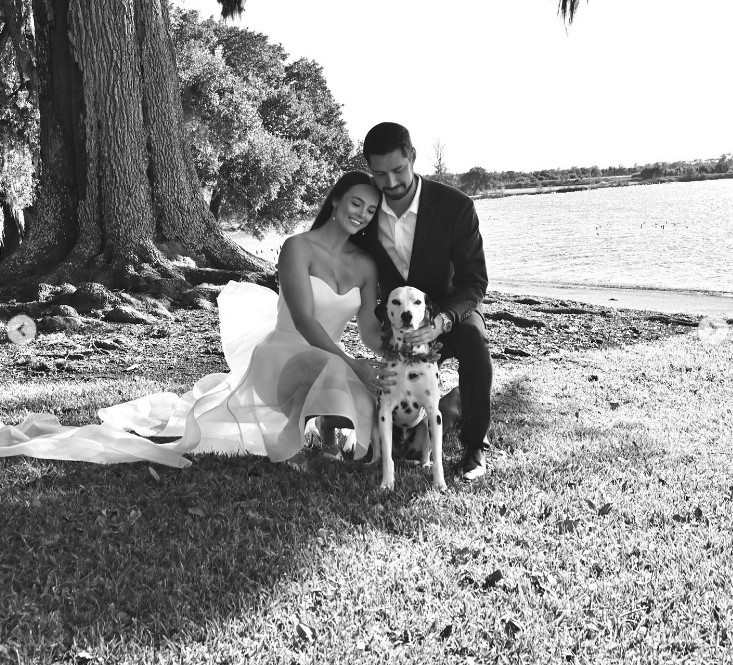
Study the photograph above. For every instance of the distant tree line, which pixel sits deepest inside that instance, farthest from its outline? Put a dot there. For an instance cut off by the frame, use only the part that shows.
(478, 181)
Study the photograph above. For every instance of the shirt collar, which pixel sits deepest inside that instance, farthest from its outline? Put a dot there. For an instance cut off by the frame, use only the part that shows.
(414, 205)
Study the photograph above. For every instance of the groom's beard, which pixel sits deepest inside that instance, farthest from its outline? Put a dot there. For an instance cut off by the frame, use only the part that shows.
(399, 192)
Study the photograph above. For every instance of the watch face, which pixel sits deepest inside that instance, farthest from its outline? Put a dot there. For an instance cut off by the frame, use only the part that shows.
(21, 329)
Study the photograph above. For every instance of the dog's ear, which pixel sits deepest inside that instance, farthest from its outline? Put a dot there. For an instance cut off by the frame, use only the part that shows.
(431, 309)
(385, 326)
(380, 311)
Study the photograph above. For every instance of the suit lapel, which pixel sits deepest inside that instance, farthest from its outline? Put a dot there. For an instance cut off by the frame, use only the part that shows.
(423, 224)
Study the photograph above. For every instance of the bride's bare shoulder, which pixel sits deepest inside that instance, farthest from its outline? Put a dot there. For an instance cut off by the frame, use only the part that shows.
(298, 243)
(364, 262)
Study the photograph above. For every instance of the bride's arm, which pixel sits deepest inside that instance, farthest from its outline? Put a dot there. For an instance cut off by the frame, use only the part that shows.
(369, 328)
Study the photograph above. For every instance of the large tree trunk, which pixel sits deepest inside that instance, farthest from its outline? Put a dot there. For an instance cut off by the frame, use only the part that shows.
(116, 176)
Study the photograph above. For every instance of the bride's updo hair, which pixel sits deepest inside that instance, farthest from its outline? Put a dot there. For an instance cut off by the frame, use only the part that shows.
(343, 184)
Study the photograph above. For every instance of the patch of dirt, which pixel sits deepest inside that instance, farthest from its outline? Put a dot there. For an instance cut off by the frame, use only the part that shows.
(186, 348)
(181, 351)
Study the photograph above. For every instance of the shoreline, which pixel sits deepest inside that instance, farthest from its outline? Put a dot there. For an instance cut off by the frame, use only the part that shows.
(600, 182)
(667, 301)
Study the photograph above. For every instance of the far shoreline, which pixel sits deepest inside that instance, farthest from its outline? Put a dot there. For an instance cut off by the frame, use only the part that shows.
(599, 182)
(655, 300)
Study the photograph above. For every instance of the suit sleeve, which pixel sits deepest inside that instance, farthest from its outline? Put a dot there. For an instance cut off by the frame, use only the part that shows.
(469, 264)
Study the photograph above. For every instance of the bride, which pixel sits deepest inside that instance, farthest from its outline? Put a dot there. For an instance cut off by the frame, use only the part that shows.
(286, 363)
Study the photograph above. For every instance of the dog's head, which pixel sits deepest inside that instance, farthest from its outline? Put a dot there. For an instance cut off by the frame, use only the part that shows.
(406, 308)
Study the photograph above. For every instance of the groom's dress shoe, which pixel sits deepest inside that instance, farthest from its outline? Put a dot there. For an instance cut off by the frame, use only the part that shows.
(473, 465)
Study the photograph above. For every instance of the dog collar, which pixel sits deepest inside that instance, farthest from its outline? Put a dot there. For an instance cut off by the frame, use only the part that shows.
(405, 354)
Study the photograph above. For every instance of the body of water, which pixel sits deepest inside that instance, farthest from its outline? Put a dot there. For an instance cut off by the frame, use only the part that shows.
(665, 247)
(676, 236)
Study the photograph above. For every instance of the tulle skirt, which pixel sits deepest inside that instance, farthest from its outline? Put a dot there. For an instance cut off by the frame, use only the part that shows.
(276, 383)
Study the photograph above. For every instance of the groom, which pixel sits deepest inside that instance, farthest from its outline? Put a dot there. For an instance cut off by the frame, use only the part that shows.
(427, 236)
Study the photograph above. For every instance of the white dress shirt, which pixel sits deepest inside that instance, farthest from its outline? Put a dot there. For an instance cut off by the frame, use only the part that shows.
(397, 235)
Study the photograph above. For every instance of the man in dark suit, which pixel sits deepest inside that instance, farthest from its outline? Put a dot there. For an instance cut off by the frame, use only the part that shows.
(427, 236)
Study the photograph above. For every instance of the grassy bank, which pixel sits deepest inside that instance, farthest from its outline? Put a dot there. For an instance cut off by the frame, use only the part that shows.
(601, 534)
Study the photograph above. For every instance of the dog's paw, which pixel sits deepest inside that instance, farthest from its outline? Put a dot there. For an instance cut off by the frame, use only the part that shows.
(387, 486)
(440, 485)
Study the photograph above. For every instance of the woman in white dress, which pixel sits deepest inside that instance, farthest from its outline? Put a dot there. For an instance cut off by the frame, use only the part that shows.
(286, 363)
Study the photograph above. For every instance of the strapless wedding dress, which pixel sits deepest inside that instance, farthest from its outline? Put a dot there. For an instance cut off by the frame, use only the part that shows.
(277, 380)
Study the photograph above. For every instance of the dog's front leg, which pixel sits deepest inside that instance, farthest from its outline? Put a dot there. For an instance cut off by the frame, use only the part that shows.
(436, 444)
(385, 434)
(376, 438)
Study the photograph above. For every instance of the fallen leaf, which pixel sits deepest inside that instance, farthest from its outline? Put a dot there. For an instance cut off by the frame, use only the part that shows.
(614, 405)
(197, 511)
(605, 509)
(512, 626)
(305, 632)
(153, 473)
(492, 579)
(591, 505)
(131, 368)
(446, 632)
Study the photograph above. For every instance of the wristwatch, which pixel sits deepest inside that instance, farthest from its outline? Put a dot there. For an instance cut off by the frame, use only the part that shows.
(447, 322)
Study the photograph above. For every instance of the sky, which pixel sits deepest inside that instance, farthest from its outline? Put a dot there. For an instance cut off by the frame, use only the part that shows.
(506, 85)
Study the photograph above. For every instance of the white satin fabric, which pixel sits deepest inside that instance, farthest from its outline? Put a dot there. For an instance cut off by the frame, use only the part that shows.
(277, 380)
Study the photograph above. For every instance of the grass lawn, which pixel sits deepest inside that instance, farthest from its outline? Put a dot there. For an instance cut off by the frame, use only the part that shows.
(602, 534)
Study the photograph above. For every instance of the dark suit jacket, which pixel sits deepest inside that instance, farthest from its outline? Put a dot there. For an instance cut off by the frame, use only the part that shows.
(447, 261)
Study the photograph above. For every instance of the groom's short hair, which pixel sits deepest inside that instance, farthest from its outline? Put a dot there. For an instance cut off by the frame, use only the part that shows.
(385, 138)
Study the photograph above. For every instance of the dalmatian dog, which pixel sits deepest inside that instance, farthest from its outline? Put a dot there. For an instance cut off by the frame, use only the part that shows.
(416, 394)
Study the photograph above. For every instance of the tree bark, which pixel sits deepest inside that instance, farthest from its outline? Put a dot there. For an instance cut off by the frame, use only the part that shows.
(11, 230)
(116, 175)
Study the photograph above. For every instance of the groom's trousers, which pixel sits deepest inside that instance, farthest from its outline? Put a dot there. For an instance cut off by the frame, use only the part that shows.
(467, 344)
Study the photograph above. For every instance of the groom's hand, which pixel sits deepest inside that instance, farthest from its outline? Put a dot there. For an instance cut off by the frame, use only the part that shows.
(425, 334)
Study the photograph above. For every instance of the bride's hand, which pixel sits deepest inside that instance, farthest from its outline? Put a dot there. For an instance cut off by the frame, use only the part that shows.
(374, 374)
